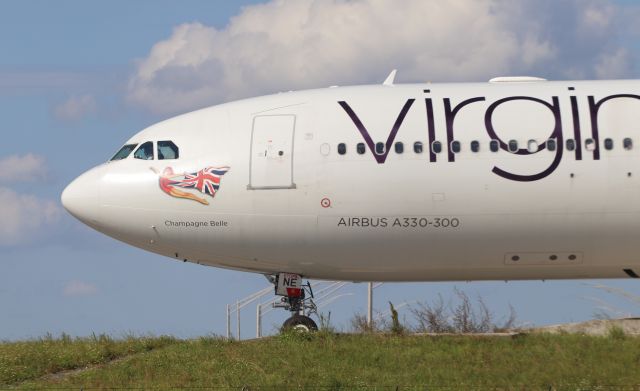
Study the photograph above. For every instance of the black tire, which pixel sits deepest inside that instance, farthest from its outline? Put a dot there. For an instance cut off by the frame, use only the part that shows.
(300, 323)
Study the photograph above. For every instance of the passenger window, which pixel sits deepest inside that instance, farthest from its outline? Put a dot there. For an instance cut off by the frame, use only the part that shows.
(475, 146)
(399, 147)
(551, 145)
(360, 148)
(124, 152)
(513, 146)
(167, 150)
(494, 145)
(590, 144)
(436, 147)
(455, 146)
(627, 143)
(417, 147)
(532, 146)
(571, 144)
(144, 151)
(608, 144)
(342, 148)
(379, 148)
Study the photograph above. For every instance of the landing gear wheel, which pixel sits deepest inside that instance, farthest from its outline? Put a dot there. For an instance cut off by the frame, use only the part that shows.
(300, 323)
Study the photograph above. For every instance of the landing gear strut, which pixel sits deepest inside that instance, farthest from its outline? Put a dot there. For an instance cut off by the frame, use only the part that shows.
(296, 298)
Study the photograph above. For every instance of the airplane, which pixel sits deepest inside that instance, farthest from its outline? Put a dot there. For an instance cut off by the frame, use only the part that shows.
(517, 178)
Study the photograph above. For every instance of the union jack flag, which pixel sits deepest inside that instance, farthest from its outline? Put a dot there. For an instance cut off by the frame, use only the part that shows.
(206, 181)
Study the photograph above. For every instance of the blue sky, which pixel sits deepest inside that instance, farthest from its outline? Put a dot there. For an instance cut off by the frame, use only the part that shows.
(78, 78)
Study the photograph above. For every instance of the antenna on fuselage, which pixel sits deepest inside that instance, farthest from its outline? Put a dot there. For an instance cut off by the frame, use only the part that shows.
(389, 80)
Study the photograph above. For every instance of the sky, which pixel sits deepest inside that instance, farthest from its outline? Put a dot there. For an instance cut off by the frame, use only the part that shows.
(78, 78)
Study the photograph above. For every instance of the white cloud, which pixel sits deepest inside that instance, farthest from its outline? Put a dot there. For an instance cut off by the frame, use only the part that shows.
(24, 217)
(598, 16)
(614, 65)
(75, 108)
(79, 288)
(293, 44)
(22, 168)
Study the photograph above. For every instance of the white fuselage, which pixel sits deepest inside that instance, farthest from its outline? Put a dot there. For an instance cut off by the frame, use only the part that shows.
(289, 200)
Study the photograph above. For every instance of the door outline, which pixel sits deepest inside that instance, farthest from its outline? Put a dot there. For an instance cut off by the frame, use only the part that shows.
(293, 137)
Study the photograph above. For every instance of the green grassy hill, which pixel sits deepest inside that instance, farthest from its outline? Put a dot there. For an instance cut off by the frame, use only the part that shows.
(325, 361)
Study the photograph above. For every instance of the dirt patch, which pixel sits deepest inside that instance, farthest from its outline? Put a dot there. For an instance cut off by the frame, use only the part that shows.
(630, 326)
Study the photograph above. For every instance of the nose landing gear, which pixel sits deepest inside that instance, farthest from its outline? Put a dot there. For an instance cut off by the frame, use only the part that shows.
(296, 298)
(301, 323)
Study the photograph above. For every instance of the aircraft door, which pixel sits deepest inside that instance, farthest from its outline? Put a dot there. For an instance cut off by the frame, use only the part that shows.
(271, 158)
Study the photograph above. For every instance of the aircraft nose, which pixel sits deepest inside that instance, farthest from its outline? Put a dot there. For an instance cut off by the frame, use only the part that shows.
(81, 198)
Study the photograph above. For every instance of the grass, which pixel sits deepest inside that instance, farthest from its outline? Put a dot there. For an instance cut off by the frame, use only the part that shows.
(29, 360)
(330, 362)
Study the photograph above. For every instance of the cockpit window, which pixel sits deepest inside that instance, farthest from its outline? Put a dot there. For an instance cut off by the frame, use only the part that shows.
(167, 150)
(144, 151)
(124, 152)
